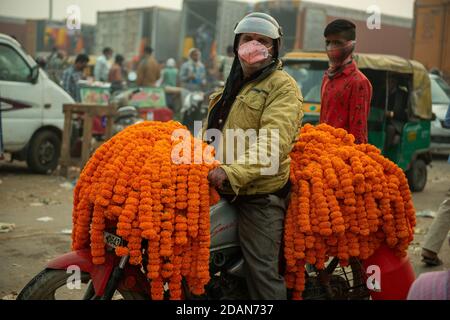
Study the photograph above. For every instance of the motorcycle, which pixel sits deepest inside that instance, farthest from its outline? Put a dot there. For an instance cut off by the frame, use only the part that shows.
(195, 104)
(116, 279)
(126, 116)
(194, 108)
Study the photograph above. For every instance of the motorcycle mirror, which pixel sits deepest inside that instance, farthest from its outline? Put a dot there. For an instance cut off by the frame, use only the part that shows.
(132, 76)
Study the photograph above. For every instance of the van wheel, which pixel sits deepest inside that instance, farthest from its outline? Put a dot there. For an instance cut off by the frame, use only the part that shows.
(417, 175)
(43, 152)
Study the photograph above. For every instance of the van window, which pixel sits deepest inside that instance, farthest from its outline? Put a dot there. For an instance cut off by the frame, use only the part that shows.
(12, 66)
(444, 85)
(438, 95)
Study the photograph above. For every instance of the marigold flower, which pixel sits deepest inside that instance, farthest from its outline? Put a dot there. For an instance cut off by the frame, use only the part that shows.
(346, 201)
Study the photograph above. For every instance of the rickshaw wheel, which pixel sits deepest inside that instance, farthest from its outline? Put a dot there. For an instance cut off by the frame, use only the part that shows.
(417, 175)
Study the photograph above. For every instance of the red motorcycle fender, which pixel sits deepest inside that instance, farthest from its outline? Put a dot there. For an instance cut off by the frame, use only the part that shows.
(396, 274)
(100, 274)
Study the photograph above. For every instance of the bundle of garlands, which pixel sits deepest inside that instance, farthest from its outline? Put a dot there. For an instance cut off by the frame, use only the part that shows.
(133, 183)
(346, 201)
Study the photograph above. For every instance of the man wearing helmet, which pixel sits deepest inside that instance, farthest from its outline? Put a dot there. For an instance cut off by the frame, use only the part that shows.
(258, 96)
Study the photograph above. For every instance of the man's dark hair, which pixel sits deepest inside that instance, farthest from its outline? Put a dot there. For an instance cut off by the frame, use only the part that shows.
(230, 49)
(107, 50)
(82, 58)
(148, 50)
(119, 58)
(344, 27)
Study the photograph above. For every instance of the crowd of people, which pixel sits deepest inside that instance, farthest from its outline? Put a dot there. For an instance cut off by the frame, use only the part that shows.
(191, 73)
(113, 70)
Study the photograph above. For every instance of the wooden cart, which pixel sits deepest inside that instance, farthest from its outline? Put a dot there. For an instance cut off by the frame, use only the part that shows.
(89, 111)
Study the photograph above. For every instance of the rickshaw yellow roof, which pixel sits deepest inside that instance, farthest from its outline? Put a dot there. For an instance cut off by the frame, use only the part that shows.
(383, 62)
(304, 54)
(421, 95)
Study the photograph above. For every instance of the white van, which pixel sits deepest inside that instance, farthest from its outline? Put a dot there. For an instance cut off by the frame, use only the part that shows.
(440, 96)
(32, 118)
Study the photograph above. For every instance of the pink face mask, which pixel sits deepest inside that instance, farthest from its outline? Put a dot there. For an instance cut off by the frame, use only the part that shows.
(253, 52)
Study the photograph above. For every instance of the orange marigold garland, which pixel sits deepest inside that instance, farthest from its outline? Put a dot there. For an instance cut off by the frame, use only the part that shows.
(346, 201)
(132, 183)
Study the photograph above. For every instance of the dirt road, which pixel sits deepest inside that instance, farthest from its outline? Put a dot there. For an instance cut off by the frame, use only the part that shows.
(40, 207)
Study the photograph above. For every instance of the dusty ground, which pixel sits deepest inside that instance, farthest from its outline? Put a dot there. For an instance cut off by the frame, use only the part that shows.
(26, 197)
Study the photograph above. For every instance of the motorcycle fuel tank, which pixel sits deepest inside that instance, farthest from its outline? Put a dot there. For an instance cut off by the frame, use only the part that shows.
(223, 226)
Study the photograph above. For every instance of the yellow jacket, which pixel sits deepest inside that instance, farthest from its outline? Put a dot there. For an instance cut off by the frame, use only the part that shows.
(272, 103)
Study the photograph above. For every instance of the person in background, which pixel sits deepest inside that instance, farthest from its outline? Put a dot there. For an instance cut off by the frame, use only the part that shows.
(42, 62)
(204, 41)
(101, 69)
(73, 74)
(346, 92)
(447, 125)
(55, 65)
(441, 224)
(193, 72)
(227, 63)
(148, 71)
(447, 118)
(431, 286)
(117, 74)
(436, 235)
(169, 74)
(169, 78)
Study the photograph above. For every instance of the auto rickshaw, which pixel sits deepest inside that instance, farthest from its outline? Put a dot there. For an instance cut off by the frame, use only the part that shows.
(400, 111)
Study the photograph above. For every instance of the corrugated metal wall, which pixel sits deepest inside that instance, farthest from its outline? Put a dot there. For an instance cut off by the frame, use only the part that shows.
(432, 34)
(305, 21)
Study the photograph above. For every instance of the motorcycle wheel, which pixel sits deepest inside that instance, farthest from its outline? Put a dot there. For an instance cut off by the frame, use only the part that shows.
(337, 282)
(52, 284)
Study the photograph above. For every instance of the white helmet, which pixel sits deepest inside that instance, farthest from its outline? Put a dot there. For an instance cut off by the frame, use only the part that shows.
(260, 23)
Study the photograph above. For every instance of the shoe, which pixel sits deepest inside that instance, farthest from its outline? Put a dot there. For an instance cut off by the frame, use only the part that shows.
(431, 261)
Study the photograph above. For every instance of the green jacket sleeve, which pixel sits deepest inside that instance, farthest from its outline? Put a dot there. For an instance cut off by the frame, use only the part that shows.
(283, 115)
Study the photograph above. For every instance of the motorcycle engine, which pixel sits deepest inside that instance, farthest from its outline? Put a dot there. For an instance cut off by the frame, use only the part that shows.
(223, 285)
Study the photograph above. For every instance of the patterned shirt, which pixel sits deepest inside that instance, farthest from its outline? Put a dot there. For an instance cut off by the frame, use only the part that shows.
(70, 80)
(345, 101)
(195, 69)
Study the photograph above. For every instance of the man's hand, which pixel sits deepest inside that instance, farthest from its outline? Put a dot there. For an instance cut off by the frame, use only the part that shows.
(217, 177)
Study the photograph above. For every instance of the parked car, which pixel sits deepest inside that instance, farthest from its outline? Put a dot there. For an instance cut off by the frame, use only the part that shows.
(31, 109)
(440, 96)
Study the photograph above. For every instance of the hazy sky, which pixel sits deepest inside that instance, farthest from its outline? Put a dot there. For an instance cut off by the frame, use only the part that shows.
(37, 9)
